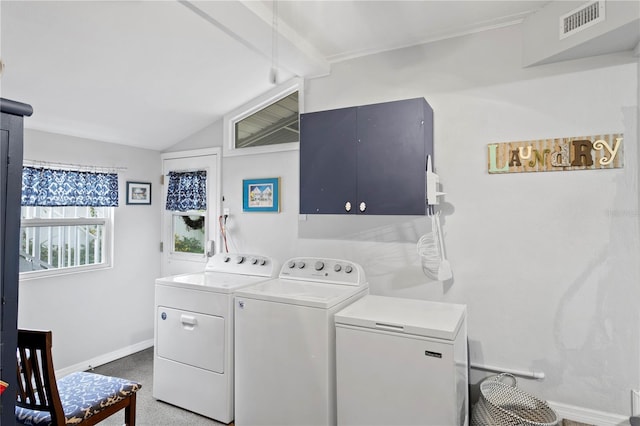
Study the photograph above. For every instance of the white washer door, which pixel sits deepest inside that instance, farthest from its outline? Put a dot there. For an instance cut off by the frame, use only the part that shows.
(191, 338)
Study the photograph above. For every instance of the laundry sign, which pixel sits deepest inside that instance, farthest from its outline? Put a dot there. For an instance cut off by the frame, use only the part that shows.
(561, 154)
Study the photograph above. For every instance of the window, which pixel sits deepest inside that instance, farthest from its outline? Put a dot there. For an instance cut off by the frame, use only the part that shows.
(267, 124)
(188, 232)
(187, 202)
(55, 238)
(274, 124)
(66, 222)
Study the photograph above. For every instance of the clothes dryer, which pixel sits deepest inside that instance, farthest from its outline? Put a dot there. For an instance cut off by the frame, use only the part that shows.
(285, 342)
(193, 355)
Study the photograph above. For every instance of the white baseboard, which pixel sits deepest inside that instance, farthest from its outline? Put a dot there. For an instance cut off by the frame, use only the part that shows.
(588, 416)
(103, 359)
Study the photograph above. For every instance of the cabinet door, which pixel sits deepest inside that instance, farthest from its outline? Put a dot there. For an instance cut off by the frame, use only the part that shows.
(327, 161)
(10, 181)
(4, 334)
(393, 143)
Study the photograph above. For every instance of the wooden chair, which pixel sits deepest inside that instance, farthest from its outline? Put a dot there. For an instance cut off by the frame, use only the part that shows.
(80, 398)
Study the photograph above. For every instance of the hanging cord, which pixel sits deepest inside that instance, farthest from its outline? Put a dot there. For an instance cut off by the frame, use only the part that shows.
(428, 247)
(223, 231)
(273, 74)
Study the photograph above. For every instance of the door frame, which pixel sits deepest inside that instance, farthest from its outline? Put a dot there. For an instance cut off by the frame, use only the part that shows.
(216, 208)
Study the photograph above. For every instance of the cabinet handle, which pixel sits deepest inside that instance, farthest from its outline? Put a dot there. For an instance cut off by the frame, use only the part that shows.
(347, 206)
(363, 206)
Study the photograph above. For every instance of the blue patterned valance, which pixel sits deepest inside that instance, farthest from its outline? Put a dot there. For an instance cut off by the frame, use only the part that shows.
(187, 191)
(53, 187)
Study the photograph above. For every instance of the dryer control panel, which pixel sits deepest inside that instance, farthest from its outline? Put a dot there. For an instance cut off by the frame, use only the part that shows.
(331, 271)
(242, 263)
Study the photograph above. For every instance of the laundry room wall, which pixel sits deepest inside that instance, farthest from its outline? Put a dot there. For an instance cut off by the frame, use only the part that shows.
(546, 262)
(104, 314)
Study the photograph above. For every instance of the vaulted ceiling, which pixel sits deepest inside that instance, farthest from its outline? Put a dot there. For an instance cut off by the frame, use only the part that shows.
(151, 73)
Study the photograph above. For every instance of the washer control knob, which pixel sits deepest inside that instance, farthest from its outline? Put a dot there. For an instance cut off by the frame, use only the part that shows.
(348, 269)
(301, 265)
(291, 264)
(254, 261)
(337, 268)
(227, 259)
(239, 259)
(319, 265)
(263, 262)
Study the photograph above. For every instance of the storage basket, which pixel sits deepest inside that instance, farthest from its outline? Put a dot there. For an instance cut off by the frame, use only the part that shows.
(503, 404)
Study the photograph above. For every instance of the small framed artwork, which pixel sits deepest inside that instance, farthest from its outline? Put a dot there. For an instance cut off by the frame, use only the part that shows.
(261, 195)
(138, 193)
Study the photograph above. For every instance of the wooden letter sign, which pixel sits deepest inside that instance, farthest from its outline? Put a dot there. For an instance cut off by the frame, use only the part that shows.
(546, 155)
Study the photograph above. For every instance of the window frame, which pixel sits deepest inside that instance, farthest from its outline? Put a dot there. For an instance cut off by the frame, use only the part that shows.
(107, 243)
(253, 106)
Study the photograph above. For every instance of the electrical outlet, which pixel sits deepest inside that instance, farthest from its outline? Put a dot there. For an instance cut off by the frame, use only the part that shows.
(225, 211)
(635, 403)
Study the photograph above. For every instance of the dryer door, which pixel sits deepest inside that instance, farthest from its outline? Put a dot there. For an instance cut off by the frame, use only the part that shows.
(191, 338)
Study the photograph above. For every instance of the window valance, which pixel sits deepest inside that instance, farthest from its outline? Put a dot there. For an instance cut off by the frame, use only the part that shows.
(187, 191)
(55, 187)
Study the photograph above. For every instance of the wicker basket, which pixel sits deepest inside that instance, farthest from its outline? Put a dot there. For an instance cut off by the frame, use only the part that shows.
(503, 404)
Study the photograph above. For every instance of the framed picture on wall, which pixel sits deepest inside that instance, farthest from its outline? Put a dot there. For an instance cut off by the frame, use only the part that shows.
(138, 193)
(261, 195)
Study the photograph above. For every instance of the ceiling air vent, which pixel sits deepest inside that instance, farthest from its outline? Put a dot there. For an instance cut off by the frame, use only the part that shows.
(583, 17)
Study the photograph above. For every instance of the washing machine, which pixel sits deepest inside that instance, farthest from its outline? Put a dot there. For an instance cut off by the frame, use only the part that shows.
(285, 342)
(193, 355)
(402, 362)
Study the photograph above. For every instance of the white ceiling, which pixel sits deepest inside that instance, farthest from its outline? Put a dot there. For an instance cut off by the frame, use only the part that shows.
(151, 73)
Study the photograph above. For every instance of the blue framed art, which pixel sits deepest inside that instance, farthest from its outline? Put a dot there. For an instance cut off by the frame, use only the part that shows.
(261, 195)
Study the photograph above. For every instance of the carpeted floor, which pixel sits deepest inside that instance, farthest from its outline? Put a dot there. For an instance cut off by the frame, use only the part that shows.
(149, 412)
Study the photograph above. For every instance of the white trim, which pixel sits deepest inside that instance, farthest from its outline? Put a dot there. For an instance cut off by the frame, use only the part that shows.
(104, 359)
(341, 57)
(588, 416)
(189, 153)
(39, 223)
(272, 96)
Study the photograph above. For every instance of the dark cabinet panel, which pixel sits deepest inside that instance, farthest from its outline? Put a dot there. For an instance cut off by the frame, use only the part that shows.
(11, 135)
(371, 157)
(328, 161)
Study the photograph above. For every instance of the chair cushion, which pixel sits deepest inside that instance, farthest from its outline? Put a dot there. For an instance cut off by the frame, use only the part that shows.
(82, 395)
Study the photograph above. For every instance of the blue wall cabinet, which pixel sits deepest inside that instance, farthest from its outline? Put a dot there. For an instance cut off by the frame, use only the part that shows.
(369, 159)
(11, 138)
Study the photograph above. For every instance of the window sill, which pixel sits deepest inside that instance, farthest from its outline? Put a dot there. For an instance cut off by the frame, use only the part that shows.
(52, 273)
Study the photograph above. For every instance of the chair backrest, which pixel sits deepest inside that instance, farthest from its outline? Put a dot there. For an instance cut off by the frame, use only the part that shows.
(37, 388)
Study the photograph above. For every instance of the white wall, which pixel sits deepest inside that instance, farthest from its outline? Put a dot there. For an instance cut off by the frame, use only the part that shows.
(99, 312)
(546, 262)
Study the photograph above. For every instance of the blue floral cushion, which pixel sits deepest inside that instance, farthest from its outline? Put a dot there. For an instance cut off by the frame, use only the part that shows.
(83, 395)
